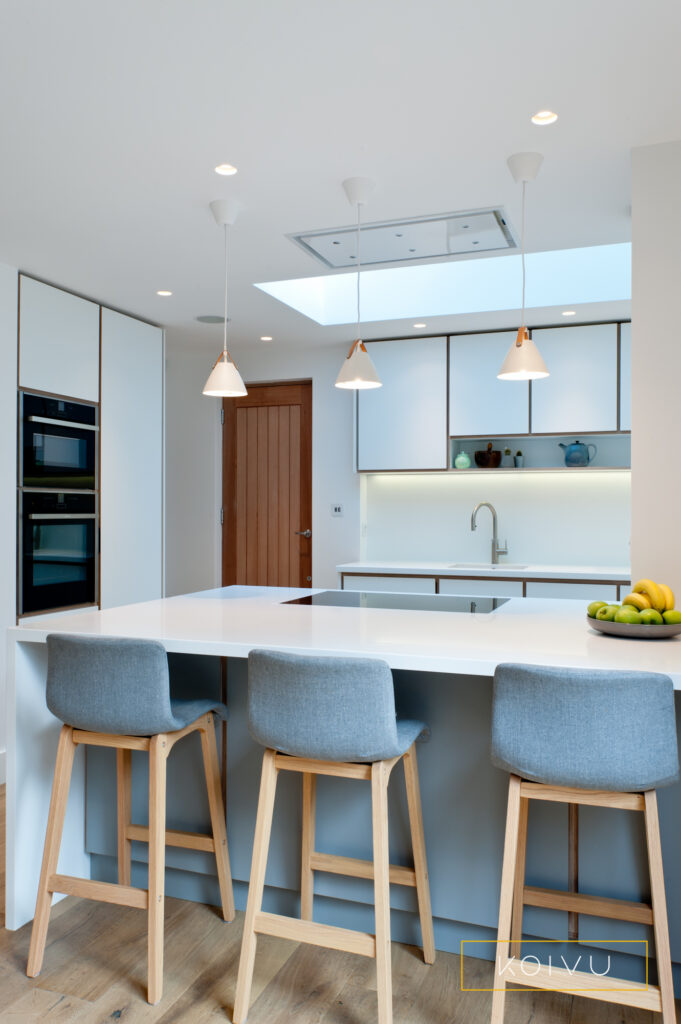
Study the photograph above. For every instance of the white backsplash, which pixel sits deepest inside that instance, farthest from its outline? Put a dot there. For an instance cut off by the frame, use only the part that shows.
(560, 518)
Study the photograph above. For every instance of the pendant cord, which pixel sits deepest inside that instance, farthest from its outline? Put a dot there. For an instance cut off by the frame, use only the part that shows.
(359, 266)
(224, 343)
(522, 255)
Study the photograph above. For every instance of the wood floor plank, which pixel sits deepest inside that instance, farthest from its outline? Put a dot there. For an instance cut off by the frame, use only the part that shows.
(38, 1004)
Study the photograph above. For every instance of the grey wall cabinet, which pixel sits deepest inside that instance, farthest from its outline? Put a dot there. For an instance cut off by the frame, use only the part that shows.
(480, 403)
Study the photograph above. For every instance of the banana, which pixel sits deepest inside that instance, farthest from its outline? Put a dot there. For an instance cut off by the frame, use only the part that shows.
(640, 601)
(653, 592)
(668, 596)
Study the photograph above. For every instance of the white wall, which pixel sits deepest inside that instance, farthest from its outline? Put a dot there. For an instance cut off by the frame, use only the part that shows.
(193, 458)
(558, 518)
(656, 362)
(8, 475)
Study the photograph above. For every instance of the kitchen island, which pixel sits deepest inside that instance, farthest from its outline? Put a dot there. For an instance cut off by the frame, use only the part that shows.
(443, 662)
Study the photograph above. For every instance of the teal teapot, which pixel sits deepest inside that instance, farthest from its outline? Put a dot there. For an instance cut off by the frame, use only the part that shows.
(578, 454)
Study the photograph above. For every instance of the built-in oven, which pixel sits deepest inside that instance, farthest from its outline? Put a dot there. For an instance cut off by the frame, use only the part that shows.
(58, 550)
(57, 443)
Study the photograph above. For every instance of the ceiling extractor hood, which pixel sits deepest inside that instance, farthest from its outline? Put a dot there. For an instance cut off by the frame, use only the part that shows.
(455, 235)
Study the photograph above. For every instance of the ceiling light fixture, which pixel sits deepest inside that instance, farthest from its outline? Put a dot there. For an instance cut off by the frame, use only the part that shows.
(543, 117)
(225, 169)
(164, 294)
(224, 380)
(358, 372)
(569, 312)
(523, 360)
(266, 337)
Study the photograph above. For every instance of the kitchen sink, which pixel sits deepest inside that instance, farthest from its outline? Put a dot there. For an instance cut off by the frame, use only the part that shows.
(485, 565)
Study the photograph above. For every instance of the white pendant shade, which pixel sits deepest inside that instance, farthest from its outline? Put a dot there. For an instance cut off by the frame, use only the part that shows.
(523, 360)
(224, 380)
(358, 372)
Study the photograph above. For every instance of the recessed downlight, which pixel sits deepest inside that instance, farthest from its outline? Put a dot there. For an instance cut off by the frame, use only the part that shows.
(164, 293)
(266, 337)
(544, 117)
(419, 327)
(569, 312)
(225, 169)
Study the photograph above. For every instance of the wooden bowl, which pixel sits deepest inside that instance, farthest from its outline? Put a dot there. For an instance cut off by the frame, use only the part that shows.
(488, 459)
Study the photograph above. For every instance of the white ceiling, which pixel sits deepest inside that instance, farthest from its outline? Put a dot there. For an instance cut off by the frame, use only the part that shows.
(115, 113)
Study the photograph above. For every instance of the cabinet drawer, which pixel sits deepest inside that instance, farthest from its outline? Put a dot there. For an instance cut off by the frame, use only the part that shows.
(578, 590)
(391, 584)
(483, 587)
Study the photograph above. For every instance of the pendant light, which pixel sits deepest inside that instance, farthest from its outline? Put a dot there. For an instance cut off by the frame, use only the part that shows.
(224, 380)
(523, 360)
(358, 372)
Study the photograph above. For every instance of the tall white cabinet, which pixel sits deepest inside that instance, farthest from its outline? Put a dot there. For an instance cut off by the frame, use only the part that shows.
(403, 425)
(131, 422)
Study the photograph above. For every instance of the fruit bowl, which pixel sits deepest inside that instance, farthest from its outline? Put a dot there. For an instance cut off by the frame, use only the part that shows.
(635, 631)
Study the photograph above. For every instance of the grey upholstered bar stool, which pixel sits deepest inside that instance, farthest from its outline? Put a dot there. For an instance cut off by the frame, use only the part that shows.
(332, 716)
(112, 692)
(583, 737)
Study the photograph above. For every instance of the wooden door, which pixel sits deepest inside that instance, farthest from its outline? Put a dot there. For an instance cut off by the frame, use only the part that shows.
(267, 486)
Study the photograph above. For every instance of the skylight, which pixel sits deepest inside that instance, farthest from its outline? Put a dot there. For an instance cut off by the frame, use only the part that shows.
(565, 277)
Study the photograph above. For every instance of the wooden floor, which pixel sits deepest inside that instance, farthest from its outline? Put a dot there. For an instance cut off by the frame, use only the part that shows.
(95, 973)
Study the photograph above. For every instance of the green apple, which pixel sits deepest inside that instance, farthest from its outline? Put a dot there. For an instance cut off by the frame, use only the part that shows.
(593, 608)
(608, 612)
(650, 617)
(672, 617)
(628, 614)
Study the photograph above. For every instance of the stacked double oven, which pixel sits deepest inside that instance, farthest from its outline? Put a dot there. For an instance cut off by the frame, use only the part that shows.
(58, 514)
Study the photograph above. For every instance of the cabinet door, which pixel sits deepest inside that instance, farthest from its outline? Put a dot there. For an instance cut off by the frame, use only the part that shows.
(480, 403)
(391, 584)
(625, 376)
(403, 425)
(58, 342)
(577, 590)
(580, 394)
(131, 461)
(486, 587)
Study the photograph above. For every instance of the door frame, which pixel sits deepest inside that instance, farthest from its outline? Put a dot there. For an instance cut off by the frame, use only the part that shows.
(259, 390)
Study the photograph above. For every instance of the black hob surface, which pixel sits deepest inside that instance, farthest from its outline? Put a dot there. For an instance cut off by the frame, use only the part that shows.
(409, 602)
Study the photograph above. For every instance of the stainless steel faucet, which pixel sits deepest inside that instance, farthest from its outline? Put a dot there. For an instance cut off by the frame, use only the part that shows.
(496, 550)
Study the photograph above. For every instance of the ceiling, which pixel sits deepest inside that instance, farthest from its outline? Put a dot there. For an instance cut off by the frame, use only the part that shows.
(114, 115)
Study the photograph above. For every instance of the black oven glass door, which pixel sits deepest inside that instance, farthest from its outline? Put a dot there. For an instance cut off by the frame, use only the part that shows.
(58, 560)
(57, 452)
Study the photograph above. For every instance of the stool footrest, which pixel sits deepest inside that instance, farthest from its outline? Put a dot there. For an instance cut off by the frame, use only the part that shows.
(591, 797)
(581, 903)
(590, 986)
(317, 934)
(355, 868)
(105, 892)
(187, 840)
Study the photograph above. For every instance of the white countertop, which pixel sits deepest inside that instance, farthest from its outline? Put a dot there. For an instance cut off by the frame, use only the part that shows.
(234, 620)
(529, 571)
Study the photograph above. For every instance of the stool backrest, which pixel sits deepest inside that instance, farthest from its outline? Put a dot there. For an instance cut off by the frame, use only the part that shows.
(589, 728)
(331, 709)
(109, 684)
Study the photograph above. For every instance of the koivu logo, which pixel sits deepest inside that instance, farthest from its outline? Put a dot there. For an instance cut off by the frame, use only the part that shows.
(529, 966)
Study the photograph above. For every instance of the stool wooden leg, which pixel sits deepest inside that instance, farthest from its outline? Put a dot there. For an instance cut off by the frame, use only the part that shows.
(308, 838)
(379, 809)
(506, 898)
(261, 842)
(659, 905)
(519, 886)
(55, 826)
(217, 816)
(158, 752)
(573, 866)
(124, 803)
(418, 843)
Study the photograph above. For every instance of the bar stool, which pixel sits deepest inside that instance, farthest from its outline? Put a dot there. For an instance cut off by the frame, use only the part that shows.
(331, 716)
(112, 692)
(575, 736)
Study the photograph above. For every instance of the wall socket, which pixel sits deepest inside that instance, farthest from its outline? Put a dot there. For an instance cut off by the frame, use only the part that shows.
(337, 509)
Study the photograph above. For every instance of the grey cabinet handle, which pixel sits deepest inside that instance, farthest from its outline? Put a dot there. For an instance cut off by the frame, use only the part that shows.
(303, 533)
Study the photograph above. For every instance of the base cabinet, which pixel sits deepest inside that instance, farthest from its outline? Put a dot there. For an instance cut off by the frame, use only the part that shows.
(390, 584)
(577, 590)
(482, 587)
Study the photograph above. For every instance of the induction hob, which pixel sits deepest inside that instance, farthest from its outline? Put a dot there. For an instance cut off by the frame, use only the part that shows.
(410, 602)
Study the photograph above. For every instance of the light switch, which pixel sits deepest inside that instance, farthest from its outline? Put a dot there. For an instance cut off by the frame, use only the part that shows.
(336, 510)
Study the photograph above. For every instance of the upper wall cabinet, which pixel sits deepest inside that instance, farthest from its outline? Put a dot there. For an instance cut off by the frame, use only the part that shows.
(479, 403)
(580, 395)
(131, 423)
(59, 342)
(403, 425)
(625, 377)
